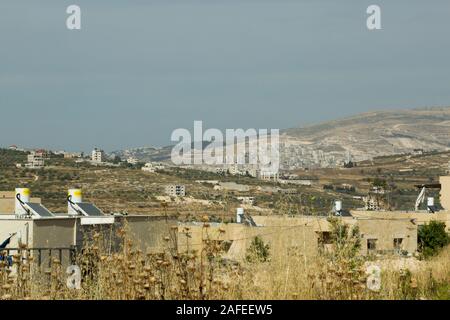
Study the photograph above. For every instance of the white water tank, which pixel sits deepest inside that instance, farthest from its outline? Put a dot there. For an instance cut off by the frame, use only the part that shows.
(338, 206)
(24, 195)
(75, 196)
(239, 214)
(430, 202)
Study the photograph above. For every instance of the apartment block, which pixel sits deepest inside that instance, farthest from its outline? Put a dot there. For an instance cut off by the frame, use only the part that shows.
(98, 156)
(175, 190)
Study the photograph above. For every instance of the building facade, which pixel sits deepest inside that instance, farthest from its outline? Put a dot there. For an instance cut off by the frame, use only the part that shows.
(175, 190)
(35, 160)
(98, 156)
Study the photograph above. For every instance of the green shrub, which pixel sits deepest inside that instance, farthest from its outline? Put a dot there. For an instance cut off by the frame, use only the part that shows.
(258, 251)
(432, 238)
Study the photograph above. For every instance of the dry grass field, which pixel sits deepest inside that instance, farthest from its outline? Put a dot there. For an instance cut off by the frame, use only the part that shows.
(134, 274)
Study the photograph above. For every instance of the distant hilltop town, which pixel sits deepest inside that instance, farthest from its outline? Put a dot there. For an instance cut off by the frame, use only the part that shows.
(343, 142)
(333, 144)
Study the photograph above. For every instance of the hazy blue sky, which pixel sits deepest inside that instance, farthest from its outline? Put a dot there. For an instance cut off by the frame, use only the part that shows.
(139, 69)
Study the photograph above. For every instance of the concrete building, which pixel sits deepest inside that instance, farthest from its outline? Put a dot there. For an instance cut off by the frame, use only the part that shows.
(378, 236)
(419, 217)
(148, 167)
(247, 200)
(220, 170)
(232, 186)
(268, 189)
(212, 182)
(288, 191)
(268, 175)
(132, 160)
(42, 153)
(46, 235)
(73, 155)
(35, 160)
(377, 190)
(372, 203)
(153, 166)
(306, 235)
(301, 182)
(97, 156)
(175, 190)
(62, 235)
(236, 239)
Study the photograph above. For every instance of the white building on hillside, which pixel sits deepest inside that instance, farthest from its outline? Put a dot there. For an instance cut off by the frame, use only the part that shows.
(268, 175)
(153, 166)
(34, 161)
(132, 160)
(98, 156)
(148, 167)
(175, 190)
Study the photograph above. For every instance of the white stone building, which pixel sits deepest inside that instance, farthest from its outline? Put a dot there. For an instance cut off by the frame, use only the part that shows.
(132, 160)
(98, 156)
(175, 190)
(34, 161)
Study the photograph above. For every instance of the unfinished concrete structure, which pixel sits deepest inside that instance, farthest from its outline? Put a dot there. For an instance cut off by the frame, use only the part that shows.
(175, 190)
(306, 235)
(376, 235)
(236, 238)
(418, 217)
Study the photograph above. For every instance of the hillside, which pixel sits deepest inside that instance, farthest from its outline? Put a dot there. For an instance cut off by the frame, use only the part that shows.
(363, 137)
(378, 133)
(145, 154)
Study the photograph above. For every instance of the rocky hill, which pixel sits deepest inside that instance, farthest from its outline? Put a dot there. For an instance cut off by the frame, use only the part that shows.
(358, 138)
(378, 133)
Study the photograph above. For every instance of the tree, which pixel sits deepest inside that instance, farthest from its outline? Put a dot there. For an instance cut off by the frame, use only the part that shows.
(258, 251)
(432, 238)
(116, 159)
(377, 182)
(346, 239)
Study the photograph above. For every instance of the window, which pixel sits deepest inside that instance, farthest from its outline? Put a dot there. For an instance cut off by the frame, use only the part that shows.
(325, 238)
(371, 244)
(398, 243)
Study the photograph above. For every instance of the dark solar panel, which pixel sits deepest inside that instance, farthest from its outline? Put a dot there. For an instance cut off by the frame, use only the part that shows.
(89, 209)
(39, 209)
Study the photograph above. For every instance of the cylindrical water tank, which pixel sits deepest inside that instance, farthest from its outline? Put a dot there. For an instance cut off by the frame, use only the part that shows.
(75, 196)
(338, 205)
(24, 195)
(430, 202)
(239, 214)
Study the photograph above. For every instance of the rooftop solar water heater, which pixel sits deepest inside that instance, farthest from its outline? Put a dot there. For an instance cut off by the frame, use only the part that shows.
(88, 209)
(38, 209)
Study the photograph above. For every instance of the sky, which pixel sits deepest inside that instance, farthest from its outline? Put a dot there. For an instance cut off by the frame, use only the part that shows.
(139, 69)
